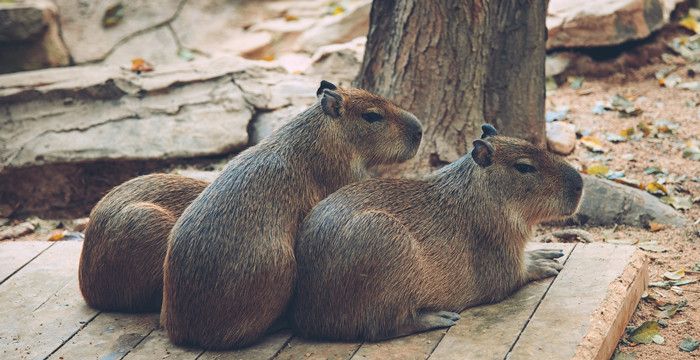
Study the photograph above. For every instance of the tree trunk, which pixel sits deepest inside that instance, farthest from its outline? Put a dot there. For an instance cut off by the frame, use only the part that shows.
(457, 64)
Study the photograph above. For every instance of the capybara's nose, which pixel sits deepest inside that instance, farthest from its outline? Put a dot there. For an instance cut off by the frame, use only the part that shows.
(413, 127)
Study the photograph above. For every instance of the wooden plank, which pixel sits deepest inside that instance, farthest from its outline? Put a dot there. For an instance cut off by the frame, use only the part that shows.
(15, 254)
(299, 348)
(489, 331)
(609, 321)
(418, 346)
(563, 318)
(157, 346)
(108, 336)
(266, 349)
(41, 306)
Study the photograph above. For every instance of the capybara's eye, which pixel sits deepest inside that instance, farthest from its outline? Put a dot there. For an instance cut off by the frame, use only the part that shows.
(524, 168)
(372, 117)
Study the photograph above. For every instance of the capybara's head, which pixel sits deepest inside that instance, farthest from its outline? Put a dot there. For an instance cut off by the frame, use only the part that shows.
(380, 131)
(531, 183)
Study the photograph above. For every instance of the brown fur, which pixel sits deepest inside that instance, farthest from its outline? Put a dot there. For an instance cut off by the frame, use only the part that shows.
(230, 265)
(385, 258)
(121, 265)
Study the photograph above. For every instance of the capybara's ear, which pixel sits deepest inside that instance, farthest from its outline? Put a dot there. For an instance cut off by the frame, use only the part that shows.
(325, 85)
(482, 152)
(331, 103)
(488, 130)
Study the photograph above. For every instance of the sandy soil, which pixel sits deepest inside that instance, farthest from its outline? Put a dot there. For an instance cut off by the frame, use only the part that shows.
(633, 157)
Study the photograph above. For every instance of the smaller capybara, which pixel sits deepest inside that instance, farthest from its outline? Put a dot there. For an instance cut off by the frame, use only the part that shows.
(385, 258)
(121, 265)
(230, 268)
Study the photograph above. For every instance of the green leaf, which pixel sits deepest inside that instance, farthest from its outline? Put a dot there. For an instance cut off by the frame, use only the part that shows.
(689, 344)
(645, 333)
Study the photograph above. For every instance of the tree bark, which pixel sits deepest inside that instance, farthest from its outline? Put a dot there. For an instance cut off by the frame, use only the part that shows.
(457, 64)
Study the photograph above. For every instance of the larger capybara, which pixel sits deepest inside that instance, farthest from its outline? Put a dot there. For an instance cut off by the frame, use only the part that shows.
(121, 264)
(385, 258)
(230, 266)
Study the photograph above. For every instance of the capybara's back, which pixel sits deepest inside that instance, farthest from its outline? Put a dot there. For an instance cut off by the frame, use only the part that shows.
(121, 265)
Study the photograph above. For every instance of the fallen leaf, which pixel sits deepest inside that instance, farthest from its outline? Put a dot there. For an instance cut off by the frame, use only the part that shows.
(690, 23)
(557, 115)
(691, 151)
(655, 188)
(337, 10)
(652, 245)
(669, 310)
(627, 132)
(139, 65)
(598, 108)
(57, 235)
(593, 144)
(644, 128)
(615, 138)
(668, 284)
(614, 175)
(689, 344)
(653, 170)
(678, 202)
(674, 275)
(654, 227)
(550, 84)
(575, 82)
(644, 334)
(288, 17)
(596, 170)
(623, 106)
(113, 15)
(619, 355)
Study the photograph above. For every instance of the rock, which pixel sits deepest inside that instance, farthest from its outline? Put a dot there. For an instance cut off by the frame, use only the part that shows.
(338, 62)
(556, 63)
(561, 137)
(64, 126)
(294, 63)
(575, 23)
(30, 36)
(158, 47)
(268, 122)
(89, 41)
(607, 203)
(223, 31)
(351, 23)
(16, 231)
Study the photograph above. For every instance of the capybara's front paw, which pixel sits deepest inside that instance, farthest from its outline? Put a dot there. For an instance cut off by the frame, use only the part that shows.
(542, 268)
(545, 254)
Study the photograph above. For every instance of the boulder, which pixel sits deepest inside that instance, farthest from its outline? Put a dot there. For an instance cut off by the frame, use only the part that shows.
(30, 36)
(561, 137)
(338, 62)
(349, 24)
(157, 46)
(89, 40)
(575, 23)
(267, 122)
(77, 122)
(606, 203)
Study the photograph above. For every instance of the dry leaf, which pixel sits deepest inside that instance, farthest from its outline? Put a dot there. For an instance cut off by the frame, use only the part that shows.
(57, 235)
(674, 275)
(644, 334)
(654, 227)
(593, 144)
(139, 65)
(597, 170)
(690, 23)
(655, 188)
(113, 15)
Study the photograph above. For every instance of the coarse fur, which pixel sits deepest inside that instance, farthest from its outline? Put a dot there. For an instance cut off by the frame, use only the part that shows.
(230, 266)
(121, 264)
(386, 258)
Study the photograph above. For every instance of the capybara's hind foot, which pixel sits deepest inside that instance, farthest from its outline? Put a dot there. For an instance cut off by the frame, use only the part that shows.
(428, 320)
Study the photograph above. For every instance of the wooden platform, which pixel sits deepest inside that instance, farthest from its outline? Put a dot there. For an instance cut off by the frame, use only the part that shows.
(580, 314)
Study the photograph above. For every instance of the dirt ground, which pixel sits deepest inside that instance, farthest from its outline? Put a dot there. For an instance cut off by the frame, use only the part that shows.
(633, 157)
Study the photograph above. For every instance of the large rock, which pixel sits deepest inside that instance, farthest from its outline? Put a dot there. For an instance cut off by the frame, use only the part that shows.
(60, 122)
(576, 23)
(157, 46)
(561, 137)
(353, 22)
(89, 40)
(606, 203)
(30, 36)
(338, 62)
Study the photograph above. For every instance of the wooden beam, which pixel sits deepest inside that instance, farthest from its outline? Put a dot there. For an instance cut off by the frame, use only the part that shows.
(157, 346)
(267, 348)
(563, 319)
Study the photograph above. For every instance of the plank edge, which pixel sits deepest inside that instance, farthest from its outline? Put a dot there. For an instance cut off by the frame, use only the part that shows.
(620, 303)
